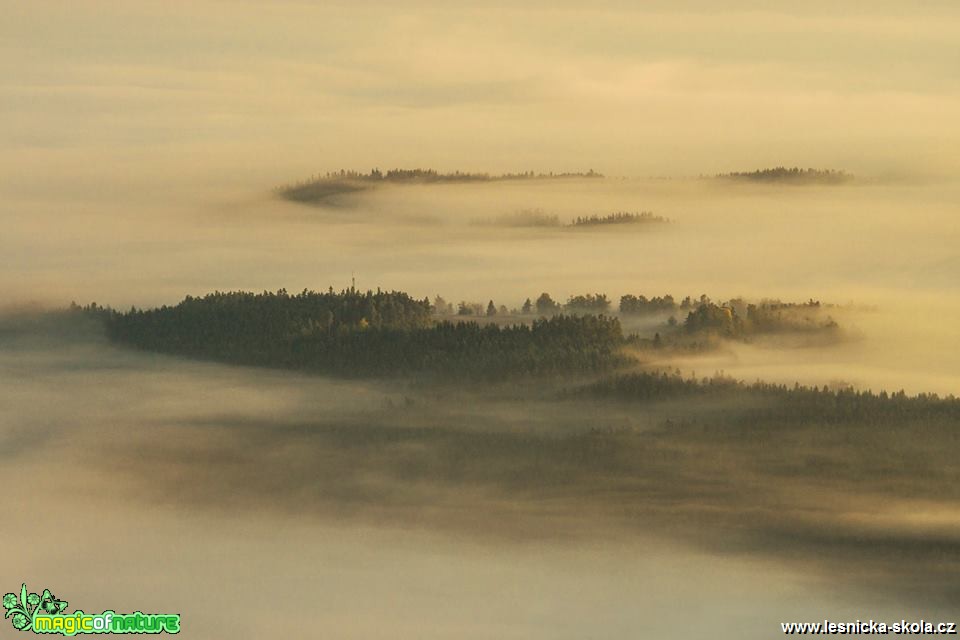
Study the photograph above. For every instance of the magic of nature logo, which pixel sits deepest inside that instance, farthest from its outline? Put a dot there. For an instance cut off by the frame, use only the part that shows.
(44, 613)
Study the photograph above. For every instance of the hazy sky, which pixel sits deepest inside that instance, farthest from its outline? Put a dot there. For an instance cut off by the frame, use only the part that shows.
(99, 93)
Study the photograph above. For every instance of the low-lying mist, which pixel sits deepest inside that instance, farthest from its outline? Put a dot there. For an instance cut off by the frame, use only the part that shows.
(267, 477)
(880, 246)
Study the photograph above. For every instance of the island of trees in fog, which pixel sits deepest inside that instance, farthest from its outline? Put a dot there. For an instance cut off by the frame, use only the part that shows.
(538, 218)
(620, 217)
(355, 334)
(379, 333)
(734, 316)
(794, 175)
(321, 187)
(577, 346)
(796, 403)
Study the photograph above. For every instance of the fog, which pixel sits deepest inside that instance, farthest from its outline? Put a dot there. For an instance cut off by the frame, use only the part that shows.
(885, 253)
(140, 148)
(199, 488)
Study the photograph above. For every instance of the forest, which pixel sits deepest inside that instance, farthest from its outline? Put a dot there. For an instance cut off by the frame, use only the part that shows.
(737, 320)
(776, 402)
(344, 181)
(735, 317)
(620, 217)
(794, 175)
(352, 333)
(538, 218)
(362, 334)
(378, 333)
(701, 317)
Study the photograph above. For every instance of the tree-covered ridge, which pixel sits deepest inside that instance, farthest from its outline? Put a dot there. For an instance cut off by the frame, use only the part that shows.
(320, 187)
(780, 402)
(269, 315)
(733, 321)
(620, 217)
(631, 304)
(538, 218)
(640, 304)
(381, 333)
(432, 175)
(545, 306)
(708, 325)
(688, 319)
(734, 317)
(794, 175)
(354, 333)
(588, 303)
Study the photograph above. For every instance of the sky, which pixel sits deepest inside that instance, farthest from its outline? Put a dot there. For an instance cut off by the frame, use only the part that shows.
(101, 94)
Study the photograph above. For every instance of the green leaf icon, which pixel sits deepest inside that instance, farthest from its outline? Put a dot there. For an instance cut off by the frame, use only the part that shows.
(23, 595)
(53, 606)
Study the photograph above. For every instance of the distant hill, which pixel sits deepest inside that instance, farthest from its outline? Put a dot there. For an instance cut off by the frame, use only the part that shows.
(343, 182)
(537, 218)
(793, 175)
(621, 217)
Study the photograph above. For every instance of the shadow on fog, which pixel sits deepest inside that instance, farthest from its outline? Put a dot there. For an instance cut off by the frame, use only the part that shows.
(864, 505)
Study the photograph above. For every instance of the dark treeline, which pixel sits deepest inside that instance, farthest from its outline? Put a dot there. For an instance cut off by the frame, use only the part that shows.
(630, 304)
(344, 181)
(589, 303)
(698, 318)
(380, 333)
(356, 334)
(432, 175)
(265, 316)
(794, 175)
(727, 321)
(545, 306)
(778, 402)
(735, 317)
(537, 218)
(620, 217)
